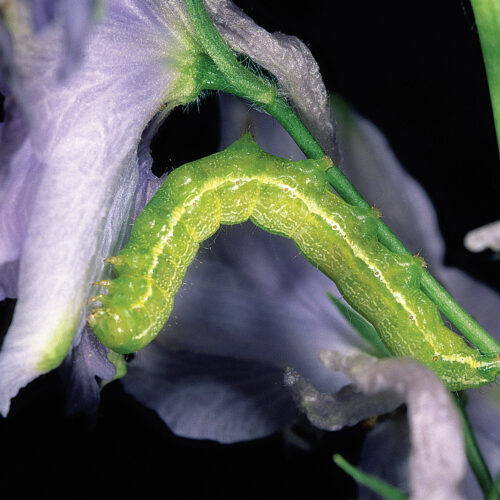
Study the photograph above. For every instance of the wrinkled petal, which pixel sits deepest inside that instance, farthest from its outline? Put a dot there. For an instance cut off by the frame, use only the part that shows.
(86, 132)
(88, 363)
(210, 397)
(348, 406)
(289, 60)
(437, 460)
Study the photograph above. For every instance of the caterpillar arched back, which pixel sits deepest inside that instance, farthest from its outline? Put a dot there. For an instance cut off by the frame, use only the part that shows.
(294, 200)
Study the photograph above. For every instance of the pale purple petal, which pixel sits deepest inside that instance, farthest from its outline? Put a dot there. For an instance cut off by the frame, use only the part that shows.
(210, 397)
(387, 447)
(85, 131)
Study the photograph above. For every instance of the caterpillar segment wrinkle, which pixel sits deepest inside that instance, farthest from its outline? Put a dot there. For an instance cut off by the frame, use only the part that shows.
(293, 200)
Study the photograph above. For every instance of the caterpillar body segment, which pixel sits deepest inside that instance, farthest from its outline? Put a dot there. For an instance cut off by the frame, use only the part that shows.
(294, 200)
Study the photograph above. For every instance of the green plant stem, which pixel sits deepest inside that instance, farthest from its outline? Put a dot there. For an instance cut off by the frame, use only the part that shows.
(474, 455)
(373, 483)
(494, 493)
(233, 77)
(251, 86)
(487, 15)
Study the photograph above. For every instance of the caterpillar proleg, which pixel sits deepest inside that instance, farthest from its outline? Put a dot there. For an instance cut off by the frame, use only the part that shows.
(294, 200)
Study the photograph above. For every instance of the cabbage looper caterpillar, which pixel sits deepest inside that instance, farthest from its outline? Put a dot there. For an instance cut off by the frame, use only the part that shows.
(294, 200)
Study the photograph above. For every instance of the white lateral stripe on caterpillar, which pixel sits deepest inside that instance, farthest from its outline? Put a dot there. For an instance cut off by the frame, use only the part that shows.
(292, 199)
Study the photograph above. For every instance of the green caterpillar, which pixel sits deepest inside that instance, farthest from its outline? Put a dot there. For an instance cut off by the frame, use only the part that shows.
(294, 200)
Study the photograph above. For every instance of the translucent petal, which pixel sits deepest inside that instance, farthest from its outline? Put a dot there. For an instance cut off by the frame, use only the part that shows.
(85, 131)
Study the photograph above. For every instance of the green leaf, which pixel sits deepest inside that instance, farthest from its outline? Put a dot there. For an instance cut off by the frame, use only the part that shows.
(487, 15)
(375, 484)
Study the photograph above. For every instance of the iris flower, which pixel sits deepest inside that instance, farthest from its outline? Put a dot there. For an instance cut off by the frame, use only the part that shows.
(252, 335)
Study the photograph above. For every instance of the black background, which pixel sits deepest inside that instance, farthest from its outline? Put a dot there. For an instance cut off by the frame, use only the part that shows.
(415, 69)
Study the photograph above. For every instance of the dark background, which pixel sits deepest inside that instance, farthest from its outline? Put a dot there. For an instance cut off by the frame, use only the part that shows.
(415, 69)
